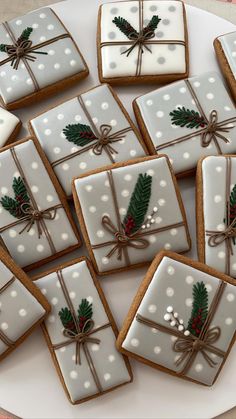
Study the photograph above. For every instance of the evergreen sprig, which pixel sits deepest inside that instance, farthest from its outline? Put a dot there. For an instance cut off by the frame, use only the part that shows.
(186, 117)
(79, 134)
(232, 211)
(84, 313)
(25, 34)
(14, 205)
(67, 319)
(199, 308)
(124, 26)
(3, 47)
(138, 205)
(154, 22)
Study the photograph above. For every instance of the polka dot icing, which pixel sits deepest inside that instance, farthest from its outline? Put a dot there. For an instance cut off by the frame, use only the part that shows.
(134, 342)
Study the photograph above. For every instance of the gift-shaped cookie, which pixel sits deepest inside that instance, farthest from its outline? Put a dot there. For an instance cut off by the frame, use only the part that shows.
(35, 223)
(187, 120)
(22, 306)
(81, 332)
(129, 211)
(87, 132)
(226, 54)
(142, 41)
(38, 56)
(216, 213)
(182, 320)
(9, 127)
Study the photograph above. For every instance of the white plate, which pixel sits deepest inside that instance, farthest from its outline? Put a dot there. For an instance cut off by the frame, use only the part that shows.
(29, 385)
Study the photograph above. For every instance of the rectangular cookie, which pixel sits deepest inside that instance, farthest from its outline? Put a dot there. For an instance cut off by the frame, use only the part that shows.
(9, 127)
(142, 41)
(22, 305)
(130, 211)
(86, 132)
(226, 55)
(182, 320)
(81, 332)
(187, 120)
(36, 225)
(38, 56)
(215, 209)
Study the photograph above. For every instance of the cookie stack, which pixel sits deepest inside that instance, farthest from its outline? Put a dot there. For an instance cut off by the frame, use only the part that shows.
(87, 152)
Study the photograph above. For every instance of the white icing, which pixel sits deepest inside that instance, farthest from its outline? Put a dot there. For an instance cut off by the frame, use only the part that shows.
(8, 123)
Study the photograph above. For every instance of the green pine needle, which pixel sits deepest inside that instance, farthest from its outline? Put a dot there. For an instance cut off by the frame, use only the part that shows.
(26, 33)
(14, 205)
(3, 47)
(79, 134)
(67, 319)
(154, 22)
(199, 308)
(124, 26)
(85, 309)
(186, 117)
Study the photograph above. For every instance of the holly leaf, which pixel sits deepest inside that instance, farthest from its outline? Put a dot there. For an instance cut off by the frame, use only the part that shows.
(186, 117)
(79, 134)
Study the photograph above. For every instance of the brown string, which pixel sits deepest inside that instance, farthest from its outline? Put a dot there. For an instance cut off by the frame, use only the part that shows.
(121, 241)
(141, 40)
(8, 342)
(34, 214)
(190, 345)
(212, 132)
(82, 337)
(15, 55)
(217, 237)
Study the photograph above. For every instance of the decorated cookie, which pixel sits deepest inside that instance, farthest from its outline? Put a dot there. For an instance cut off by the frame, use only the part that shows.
(87, 132)
(182, 320)
(142, 41)
(226, 55)
(35, 222)
(216, 213)
(81, 332)
(22, 306)
(187, 120)
(37, 56)
(9, 127)
(129, 211)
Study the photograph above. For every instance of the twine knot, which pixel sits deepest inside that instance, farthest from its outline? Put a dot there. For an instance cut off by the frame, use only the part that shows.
(34, 215)
(218, 237)
(139, 39)
(214, 130)
(104, 140)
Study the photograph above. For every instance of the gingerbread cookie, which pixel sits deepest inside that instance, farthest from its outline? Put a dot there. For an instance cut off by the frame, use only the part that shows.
(9, 127)
(226, 55)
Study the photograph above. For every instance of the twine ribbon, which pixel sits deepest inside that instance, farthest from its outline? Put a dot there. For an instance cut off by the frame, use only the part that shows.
(104, 135)
(121, 242)
(141, 40)
(190, 346)
(32, 213)
(8, 342)
(218, 237)
(22, 51)
(212, 132)
(82, 337)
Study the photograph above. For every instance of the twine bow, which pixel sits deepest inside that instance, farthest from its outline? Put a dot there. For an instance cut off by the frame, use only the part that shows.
(104, 140)
(214, 130)
(122, 241)
(191, 344)
(139, 39)
(81, 338)
(216, 238)
(21, 49)
(34, 215)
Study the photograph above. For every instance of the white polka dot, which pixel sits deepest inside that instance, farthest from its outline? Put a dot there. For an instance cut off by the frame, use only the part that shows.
(208, 287)
(166, 97)
(60, 116)
(152, 308)
(173, 338)
(82, 165)
(107, 376)
(158, 220)
(19, 22)
(113, 123)
(161, 202)
(104, 105)
(49, 198)
(29, 81)
(4, 326)
(100, 233)
(42, 38)
(40, 248)
(230, 297)
(149, 102)
(211, 79)
(12, 233)
(160, 114)
(158, 134)
(87, 384)
(20, 248)
(35, 25)
(105, 260)
(42, 15)
(73, 375)
(111, 358)
(88, 188)
(170, 270)
(186, 155)
(75, 275)
(47, 132)
(150, 172)
(54, 301)
(78, 118)
(14, 78)
(182, 89)
(157, 350)
(22, 312)
(13, 294)
(73, 149)
(133, 153)
(72, 295)
(57, 66)
(51, 318)
(134, 342)
(198, 367)
(163, 183)
(167, 246)
(189, 279)
(234, 54)
(41, 66)
(227, 108)
(228, 321)
(122, 211)
(92, 209)
(196, 84)
(67, 51)
(4, 190)
(34, 189)
(173, 231)
(152, 239)
(125, 193)
(170, 292)
(73, 63)
(217, 198)
(65, 166)
(221, 255)
(3, 73)
(95, 347)
(63, 349)
(88, 103)
(210, 96)
(44, 291)
(65, 236)
(50, 27)
(128, 177)
(189, 302)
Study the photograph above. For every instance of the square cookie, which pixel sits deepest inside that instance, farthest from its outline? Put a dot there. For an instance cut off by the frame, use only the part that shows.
(187, 120)
(81, 332)
(23, 306)
(142, 41)
(225, 52)
(182, 320)
(9, 127)
(89, 131)
(130, 211)
(35, 223)
(216, 216)
(38, 56)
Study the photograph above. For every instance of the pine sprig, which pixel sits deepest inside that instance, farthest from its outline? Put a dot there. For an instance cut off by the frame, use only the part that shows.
(14, 205)
(79, 134)
(3, 47)
(67, 319)
(154, 22)
(124, 26)
(138, 205)
(85, 312)
(186, 117)
(232, 211)
(25, 34)
(20, 191)
(199, 308)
